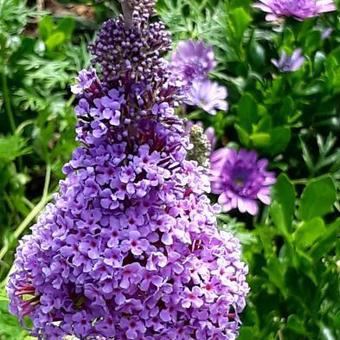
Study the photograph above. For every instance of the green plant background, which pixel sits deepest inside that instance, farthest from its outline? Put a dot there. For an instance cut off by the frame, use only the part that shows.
(292, 247)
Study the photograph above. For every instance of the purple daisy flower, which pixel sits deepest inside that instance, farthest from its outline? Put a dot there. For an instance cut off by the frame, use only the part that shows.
(207, 95)
(240, 179)
(193, 60)
(289, 63)
(297, 9)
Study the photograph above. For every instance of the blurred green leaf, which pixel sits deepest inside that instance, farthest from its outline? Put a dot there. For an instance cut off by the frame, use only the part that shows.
(296, 324)
(247, 112)
(284, 194)
(280, 137)
(239, 21)
(55, 40)
(67, 26)
(317, 198)
(46, 27)
(260, 139)
(309, 231)
(11, 147)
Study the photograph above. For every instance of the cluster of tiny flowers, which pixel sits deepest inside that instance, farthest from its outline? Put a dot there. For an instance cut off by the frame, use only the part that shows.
(201, 146)
(240, 179)
(297, 9)
(130, 247)
(289, 63)
(192, 61)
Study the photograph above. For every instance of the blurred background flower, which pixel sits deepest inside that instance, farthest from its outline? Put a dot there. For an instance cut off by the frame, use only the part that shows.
(298, 9)
(289, 63)
(240, 179)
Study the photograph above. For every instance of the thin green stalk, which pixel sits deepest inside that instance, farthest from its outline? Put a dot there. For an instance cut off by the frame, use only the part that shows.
(44, 199)
(300, 181)
(34, 212)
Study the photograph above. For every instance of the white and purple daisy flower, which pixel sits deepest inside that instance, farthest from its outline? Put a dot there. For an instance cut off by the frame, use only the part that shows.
(297, 9)
(240, 179)
(207, 95)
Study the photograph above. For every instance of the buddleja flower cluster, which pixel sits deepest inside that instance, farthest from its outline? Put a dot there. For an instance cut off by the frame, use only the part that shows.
(130, 249)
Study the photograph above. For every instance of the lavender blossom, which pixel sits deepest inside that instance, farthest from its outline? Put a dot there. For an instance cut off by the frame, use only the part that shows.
(207, 95)
(240, 179)
(130, 249)
(297, 9)
(289, 63)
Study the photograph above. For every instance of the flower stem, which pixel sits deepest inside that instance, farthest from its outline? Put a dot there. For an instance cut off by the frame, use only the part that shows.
(44, 199)
(34, 212)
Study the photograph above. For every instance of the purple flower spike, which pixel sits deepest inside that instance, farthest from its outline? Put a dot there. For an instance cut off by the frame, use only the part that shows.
(240, 180)
(207, 95)
(297, 9)
(289, 63)
(130, 249)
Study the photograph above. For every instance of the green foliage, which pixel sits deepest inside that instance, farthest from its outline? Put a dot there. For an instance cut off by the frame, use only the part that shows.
(317, 198)
(294, 269)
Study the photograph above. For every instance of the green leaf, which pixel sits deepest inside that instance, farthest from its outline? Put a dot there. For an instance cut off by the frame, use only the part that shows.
(309, 231)
(280, 137)
(260, 138)
(296, 324)
(247, 112)
(317, 198)
(242, 135)
(284, 194)
(287, 109)
(327, 241)
(278, 216)
(12, 147)
(276, 271)
(55, 40)
(66, 25)
(239, 21)
(46, 27)
(306, 265)
(312, 42)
